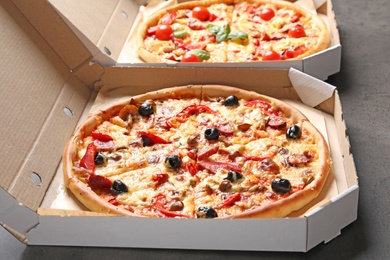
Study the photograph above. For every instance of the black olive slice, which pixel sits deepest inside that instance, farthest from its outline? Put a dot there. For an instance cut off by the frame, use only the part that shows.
(294, 132)
(281, 185)
(211, 133)
(173, 161)
(146, 109)
(118, 187)
(233, 176)
(206, 212)
(231, 101)
(100, 159)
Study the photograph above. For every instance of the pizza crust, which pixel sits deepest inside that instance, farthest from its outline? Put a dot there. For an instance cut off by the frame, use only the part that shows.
(149, 57)
(277, 209)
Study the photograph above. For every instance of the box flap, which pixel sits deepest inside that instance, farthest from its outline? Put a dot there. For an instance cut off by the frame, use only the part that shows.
(15, 217)
(324, 224)
(312, 91)
(39, 84)
(250, 234)
(54, 31)
(102, 26)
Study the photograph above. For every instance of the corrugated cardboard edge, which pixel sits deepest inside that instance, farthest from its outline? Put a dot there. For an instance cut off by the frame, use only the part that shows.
(314, 65)
(142, 233)
(311, 91)
(105, 49)
(346, 203)
(15, 217)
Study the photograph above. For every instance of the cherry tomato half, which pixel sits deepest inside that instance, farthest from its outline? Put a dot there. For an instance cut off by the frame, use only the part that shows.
(190, 57)
(164, 32)
(201, 13)
(271, 55)
(297, 32)
(267, 14)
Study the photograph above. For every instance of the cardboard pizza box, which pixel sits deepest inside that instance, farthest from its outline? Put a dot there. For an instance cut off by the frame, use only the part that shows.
(108, 29)
(46, 92)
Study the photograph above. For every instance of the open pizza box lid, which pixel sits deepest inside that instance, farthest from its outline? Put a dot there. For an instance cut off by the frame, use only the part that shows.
(108, 29)
(46, 93)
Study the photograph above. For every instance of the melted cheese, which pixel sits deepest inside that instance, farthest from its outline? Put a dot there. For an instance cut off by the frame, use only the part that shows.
(137, 166)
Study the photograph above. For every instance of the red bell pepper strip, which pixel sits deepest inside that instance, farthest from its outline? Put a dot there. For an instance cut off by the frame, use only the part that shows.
(191, 167)
(160, 178)
(195, 110)
(113, 201)
(258, 103)
(207, 152)
(169, 213)
(229, 201)
(99, 182)
(101, 137)
(154, 138)
(263, 105)
(168, 19)
(88, 160)
(187, 112)
(159, 199)
(215, 166)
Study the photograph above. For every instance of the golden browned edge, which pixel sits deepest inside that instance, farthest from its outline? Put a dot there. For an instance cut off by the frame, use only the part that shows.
(322, 44)
(278, 209)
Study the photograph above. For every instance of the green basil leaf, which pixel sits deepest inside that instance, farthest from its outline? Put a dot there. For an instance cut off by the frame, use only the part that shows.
(179, 33)
(214, 29)
(227, 29)
(224, 33)
(238, 35)
(219, 32)
(201, 54)
(220, 37)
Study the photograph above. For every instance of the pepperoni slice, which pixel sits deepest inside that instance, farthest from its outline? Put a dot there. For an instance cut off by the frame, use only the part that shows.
(297, 159)
(277, 122)
(269, 165)
(226, 129)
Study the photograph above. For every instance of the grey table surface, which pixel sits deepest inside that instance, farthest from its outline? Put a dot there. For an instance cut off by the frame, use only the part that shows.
(364, 87)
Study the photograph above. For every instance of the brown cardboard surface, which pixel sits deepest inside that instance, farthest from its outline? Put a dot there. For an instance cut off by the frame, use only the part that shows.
(41, 83)
(54, 31)
(34, 103)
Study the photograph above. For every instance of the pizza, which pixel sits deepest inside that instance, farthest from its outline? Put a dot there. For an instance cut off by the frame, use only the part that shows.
(199, 151)
(231, 31)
